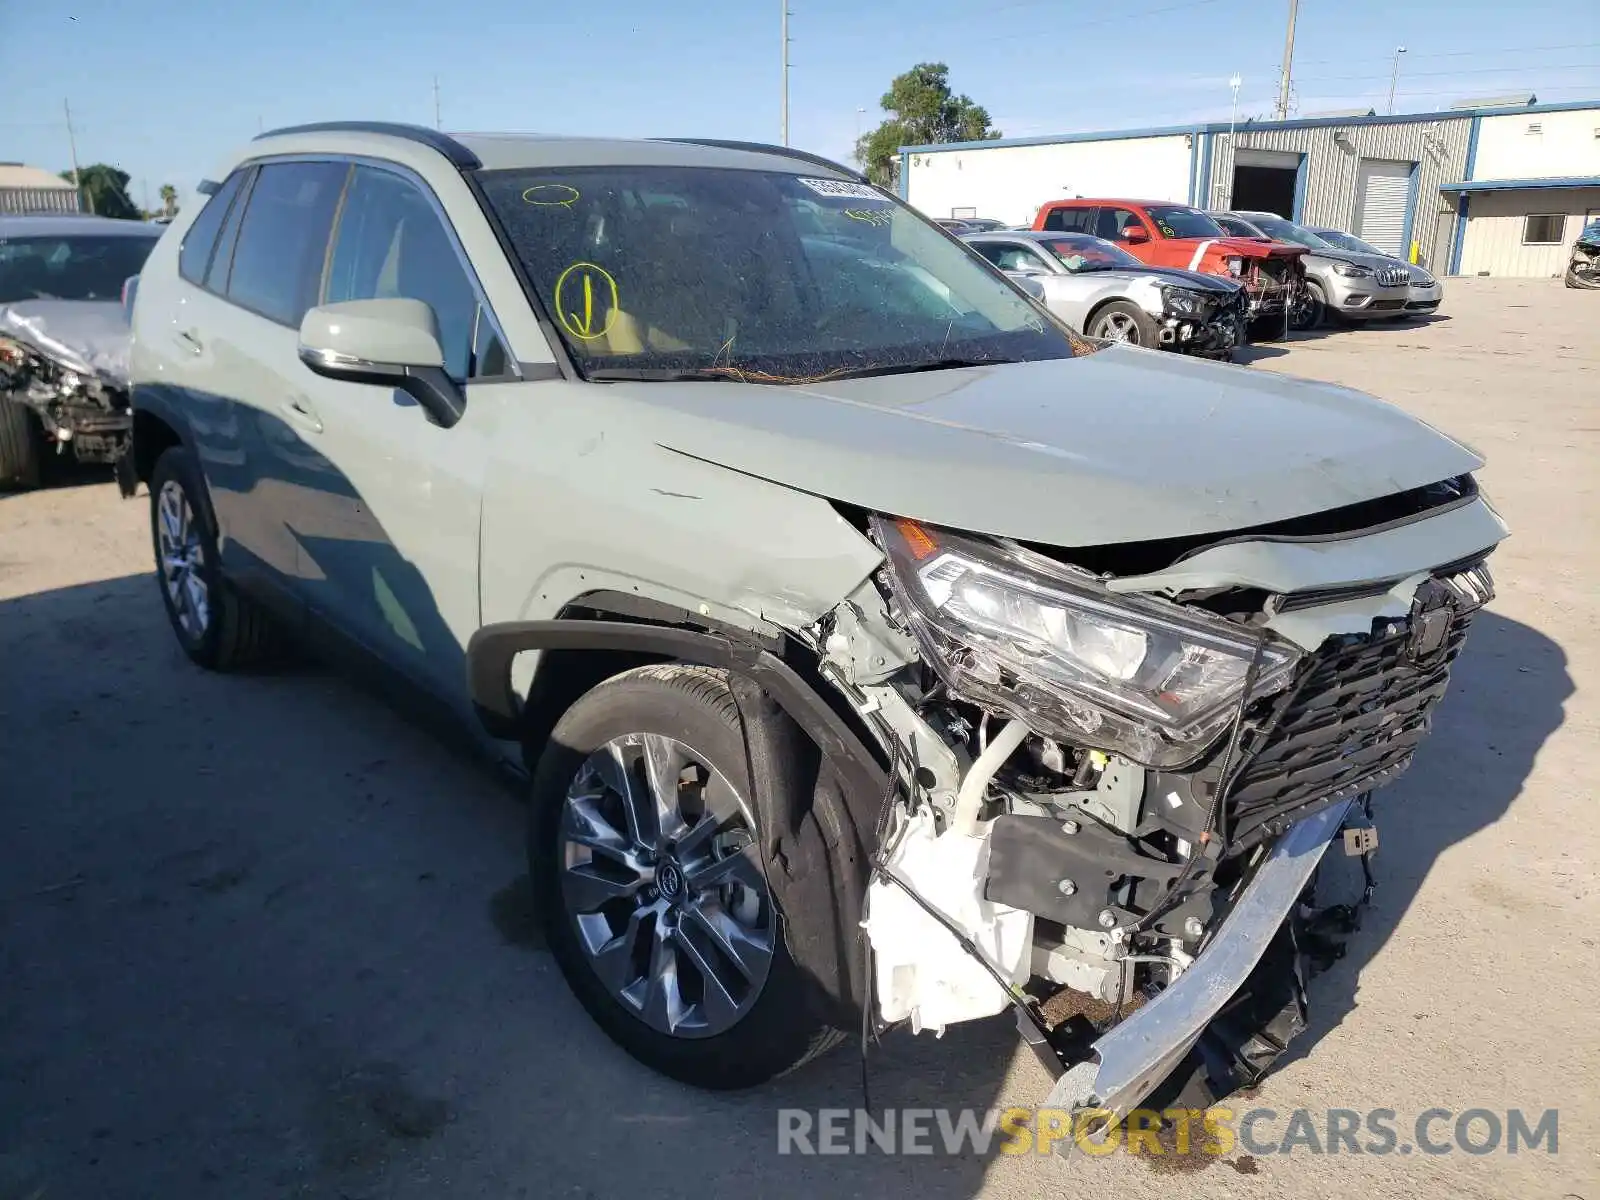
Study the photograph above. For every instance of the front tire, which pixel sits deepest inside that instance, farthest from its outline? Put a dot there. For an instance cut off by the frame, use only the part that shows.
(20, 457)
(217, 627)
(1122, 321)
(645, 850)
(1311, 309)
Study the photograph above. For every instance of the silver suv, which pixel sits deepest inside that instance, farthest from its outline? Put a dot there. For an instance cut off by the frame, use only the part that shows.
(1341, 284)
(821, 578)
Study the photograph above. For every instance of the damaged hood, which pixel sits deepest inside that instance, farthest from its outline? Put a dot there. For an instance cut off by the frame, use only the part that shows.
(1121, 445)
(91, 337)
(1197, 281)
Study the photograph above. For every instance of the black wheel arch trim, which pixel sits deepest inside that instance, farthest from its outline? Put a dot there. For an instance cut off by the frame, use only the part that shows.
(491, 649)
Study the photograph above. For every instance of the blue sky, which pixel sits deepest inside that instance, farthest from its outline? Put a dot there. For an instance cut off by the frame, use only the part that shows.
(164, 90)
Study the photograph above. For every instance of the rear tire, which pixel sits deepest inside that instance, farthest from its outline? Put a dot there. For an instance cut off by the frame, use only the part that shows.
(1123, 321)
(217, 627)
(21, 460)
(615, 954)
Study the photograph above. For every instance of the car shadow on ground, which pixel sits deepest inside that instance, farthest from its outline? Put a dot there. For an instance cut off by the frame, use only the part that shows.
(1507, 695)
(313, 916)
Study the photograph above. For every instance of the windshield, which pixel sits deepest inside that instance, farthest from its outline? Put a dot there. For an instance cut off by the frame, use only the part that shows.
(753, 275)
(1280, 230)
(1176, 221)
(1237, 227)
(1080, 252)
(70, 268)
(1345, 241)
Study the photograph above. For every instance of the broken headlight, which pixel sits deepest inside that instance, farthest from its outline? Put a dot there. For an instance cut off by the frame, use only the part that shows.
(1183, 303)
(1014, 631)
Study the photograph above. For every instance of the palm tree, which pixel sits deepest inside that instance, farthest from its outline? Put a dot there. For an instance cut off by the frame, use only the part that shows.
(169, 200)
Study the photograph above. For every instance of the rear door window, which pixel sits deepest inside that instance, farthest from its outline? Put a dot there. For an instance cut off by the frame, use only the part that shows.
(1069, 220)
(222, 259)
(198, 242)
(392, 243)
(278, 257)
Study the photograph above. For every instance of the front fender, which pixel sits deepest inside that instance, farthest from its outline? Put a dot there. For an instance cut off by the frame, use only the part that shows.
(492, 648)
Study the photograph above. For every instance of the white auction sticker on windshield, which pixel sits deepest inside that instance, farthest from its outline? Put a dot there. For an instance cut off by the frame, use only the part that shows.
(840, 189)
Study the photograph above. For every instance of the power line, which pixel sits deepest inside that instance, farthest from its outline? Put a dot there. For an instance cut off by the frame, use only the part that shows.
(1120, 19)
(1470, 71)
(1344, 58)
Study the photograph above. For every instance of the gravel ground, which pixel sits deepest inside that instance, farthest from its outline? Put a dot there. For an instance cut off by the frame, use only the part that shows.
(265, 937)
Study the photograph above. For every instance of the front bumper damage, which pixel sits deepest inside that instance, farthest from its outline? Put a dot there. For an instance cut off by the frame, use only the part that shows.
(1137, 1055)
(1213, 334)
(1011, 904)
(78, 394)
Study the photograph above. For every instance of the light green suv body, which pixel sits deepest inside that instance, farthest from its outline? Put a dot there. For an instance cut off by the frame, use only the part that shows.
(745, 501)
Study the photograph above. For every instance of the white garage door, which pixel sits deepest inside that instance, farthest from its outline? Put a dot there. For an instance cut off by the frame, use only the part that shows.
(1382, 189)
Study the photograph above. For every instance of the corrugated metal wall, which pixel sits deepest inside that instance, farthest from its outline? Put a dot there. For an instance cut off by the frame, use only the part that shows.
(1333, 154)
(38, 200)
(1495, 230)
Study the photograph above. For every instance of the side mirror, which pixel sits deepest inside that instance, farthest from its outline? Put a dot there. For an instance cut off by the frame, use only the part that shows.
(130, 292)
(1134, 234)
(1028, 281)
(390, 343)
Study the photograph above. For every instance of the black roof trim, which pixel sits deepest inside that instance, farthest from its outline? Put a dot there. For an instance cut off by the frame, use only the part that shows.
(459, 155)
(764, 148)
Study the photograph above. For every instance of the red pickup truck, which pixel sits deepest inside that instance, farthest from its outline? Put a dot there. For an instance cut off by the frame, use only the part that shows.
(1175, 235)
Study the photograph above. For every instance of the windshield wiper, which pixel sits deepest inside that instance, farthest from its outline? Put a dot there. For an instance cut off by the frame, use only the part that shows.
(660, 374)
(934, 364)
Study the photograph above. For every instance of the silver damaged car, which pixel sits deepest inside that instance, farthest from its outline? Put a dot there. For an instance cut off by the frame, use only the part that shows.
(1102, 291)
(823, 583)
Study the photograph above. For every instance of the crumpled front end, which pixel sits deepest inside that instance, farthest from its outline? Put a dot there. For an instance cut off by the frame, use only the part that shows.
(1583, 269)
(72, 373)
(1119, 766)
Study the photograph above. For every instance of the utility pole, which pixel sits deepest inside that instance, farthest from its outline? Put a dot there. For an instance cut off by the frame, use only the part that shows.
(783, 29)
(72, 144)
(436, 123)
(1394, 76)
(1288, 63)
(1234, 82)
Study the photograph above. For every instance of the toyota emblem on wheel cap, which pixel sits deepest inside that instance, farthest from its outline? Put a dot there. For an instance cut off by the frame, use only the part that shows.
(670, 880)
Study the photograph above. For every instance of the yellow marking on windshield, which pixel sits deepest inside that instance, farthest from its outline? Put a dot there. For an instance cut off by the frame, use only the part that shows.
(879, 216)
(551, 195)
(582, 325)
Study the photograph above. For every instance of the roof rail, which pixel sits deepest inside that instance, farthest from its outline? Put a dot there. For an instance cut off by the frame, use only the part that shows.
(764, 148)
(459, 155)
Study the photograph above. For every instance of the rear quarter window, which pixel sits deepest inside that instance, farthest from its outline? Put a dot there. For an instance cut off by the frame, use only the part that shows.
(201, 237)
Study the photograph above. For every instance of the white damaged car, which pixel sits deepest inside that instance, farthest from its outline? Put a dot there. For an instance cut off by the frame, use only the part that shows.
(64, 339)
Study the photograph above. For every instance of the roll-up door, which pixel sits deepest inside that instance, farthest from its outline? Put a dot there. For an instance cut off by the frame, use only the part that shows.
(1382, 189)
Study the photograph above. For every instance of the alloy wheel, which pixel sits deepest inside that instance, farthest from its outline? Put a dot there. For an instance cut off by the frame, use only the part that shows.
(1118, 327)
(662, 879)
(182, 560)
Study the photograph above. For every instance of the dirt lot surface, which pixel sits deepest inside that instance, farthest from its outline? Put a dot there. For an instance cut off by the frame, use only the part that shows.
(264, 937)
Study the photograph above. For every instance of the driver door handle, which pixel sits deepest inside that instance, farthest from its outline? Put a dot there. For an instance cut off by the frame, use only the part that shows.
(299, 411)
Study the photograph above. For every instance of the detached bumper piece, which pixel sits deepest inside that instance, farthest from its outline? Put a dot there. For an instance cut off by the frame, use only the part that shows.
(1245, 1015)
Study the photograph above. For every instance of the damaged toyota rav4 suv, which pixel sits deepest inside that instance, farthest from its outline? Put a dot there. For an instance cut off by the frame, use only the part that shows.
(879, 650)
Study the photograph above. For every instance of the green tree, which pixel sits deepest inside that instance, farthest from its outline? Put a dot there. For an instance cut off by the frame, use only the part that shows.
(169, 200)
(922, 112)
(105, 191)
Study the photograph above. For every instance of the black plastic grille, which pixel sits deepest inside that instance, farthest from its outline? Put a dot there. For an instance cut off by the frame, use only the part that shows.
(1350, 723)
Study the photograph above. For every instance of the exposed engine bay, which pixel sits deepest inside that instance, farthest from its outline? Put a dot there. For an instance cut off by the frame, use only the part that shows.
(67, 363)
(1107, 755)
